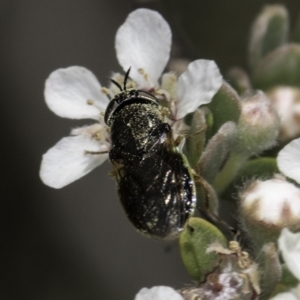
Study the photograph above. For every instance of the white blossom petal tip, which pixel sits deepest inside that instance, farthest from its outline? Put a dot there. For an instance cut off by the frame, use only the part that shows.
(75, 93)
(68, 161)
(288, 160)
(197, 86)
(158, 293)
(143, 43)
(289, 245)
(285, 296)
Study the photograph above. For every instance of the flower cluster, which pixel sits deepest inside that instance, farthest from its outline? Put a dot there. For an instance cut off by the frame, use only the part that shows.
(241, 140)
(143, 43)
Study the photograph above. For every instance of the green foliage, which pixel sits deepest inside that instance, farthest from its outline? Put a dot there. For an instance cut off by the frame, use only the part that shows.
(269, 31)
(225, 106)
(196, 237)
(280, 67)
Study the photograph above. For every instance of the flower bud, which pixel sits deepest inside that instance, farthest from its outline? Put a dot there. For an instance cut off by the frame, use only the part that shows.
(256, 131)
(268, 206)
(258, 125)
(286, 101)
(269, 31)
(271, 270)
(235, 277)
(279, 67)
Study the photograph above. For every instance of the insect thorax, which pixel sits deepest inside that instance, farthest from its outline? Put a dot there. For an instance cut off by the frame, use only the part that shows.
(135, 128)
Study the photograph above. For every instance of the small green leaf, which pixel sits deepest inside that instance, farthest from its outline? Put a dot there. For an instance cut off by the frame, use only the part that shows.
(207, 199)
(263, 167)
(280, 67)
(287, 282)
(196, 237)
(196, 136)
(296, 32)
(239, 80)
(287, 278)
(225, 106)
(271, 270)
(269, 31)
(217, 151)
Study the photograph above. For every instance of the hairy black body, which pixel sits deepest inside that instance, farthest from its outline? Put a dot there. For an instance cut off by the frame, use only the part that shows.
(155, 184)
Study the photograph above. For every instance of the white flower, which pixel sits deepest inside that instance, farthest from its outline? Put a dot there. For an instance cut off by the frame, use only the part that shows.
(289, 245)
(69, 93)
(158, 293)
(293, 294)
(288, 160)
(143, 43)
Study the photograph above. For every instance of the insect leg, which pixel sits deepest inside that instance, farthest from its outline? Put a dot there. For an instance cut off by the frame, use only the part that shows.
(211, 197)
(95, 152)
(188, 135)
(183, 135)
(179, 139)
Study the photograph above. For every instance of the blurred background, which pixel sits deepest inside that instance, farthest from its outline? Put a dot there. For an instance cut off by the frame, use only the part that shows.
(76, 243)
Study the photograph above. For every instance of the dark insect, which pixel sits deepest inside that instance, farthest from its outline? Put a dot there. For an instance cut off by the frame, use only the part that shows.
(155, 183)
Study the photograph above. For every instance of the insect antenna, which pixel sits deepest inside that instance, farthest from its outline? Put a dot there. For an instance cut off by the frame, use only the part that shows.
(141, 91)
(114, 82)
(126, 78)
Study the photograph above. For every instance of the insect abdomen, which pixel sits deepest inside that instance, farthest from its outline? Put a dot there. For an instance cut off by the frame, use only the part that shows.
(154, 180)
(158, 199)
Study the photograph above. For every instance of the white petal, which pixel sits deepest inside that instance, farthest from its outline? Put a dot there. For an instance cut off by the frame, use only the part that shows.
(289, 244)
(158, 293)
(67, 160)
(75, 93)
(143, 42)
(285, 296)
(288, 160)
(197, 86)
(96, 131)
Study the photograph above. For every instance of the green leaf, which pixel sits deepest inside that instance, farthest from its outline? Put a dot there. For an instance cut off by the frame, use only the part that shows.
(217, 151)
(269, 31)
(263, 167)
(260, 167)
(239, 80)
(287, 278)
(196, 237)
(280, 67)
(296, 32)
(270, 268)
(225, 106)
(196, 136)
(207, 199)
(287, 282)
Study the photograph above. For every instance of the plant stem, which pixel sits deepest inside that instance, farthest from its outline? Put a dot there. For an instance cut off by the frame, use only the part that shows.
(232, 166)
